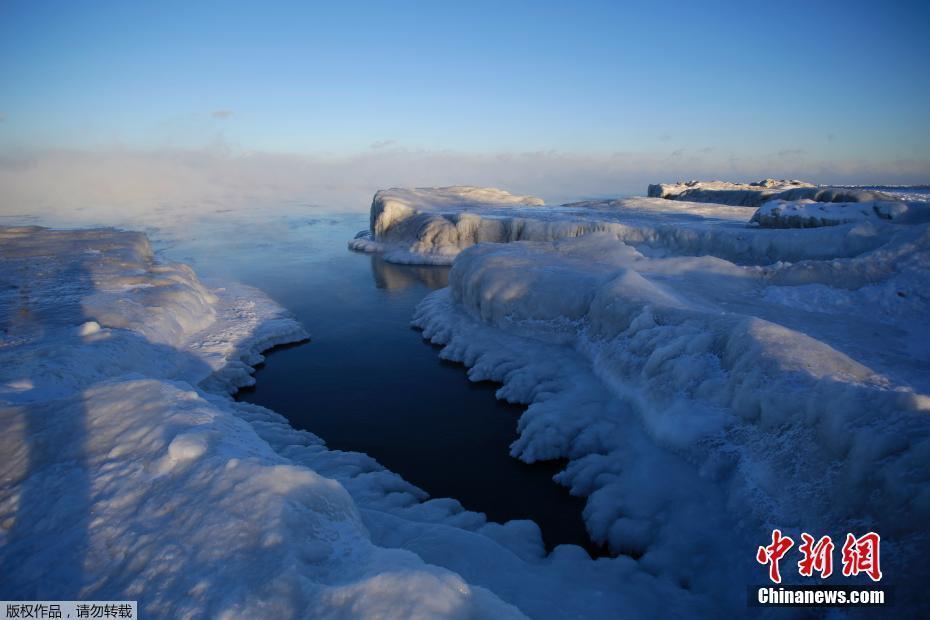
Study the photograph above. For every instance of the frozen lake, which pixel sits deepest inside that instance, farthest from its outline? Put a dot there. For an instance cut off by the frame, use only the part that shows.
(367, 381)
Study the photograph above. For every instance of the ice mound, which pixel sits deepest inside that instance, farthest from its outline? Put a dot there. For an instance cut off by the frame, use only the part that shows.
(756, 194)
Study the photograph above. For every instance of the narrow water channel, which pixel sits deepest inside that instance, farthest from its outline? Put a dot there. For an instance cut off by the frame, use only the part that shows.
(368, 382)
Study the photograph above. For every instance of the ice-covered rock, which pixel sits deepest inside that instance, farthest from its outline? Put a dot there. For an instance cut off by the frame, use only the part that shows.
(439, 220)
(809, 213)
(674, 190)
(389, 207)
(756, 194)
(435, 232)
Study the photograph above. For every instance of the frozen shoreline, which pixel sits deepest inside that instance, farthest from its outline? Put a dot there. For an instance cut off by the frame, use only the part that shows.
(119, 373)
(706, 378)
(125, 480)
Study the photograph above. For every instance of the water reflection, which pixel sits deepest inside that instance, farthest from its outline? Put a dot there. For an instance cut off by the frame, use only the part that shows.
(399, 277)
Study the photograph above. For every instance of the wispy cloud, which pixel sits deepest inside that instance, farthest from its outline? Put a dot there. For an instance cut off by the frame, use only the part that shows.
(2, 117)
(221, 113)
(382, 144)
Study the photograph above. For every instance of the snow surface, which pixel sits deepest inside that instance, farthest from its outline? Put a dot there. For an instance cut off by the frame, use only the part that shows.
(708, 380)
(127, 472)
(760, 192)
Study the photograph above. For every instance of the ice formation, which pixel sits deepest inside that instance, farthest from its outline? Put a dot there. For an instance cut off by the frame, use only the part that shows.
(707, 379)
(415, 231)
(129, 473)
(709, 371)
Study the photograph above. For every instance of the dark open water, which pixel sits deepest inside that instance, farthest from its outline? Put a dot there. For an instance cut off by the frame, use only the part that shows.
(367, 381)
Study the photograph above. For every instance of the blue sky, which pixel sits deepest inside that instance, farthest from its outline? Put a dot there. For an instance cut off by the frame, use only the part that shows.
(826, 81)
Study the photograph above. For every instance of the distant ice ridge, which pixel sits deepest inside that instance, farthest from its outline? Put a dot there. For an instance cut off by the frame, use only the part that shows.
(433, 225)
(760, 192)
(128, 473)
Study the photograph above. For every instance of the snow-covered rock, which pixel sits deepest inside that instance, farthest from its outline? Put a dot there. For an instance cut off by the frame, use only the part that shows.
(756, 194)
